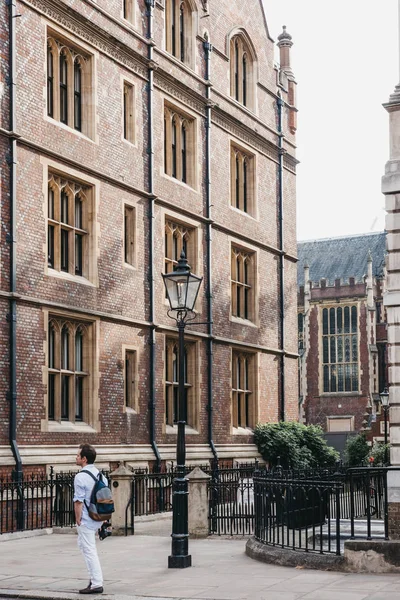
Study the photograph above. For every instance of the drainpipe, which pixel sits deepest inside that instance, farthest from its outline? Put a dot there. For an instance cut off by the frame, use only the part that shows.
(150, 152)
(11, 239)
(281, 258)
(207, 50)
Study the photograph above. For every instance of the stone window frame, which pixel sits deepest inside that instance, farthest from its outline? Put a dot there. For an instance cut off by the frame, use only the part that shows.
(182, 28)
(181, 168)
(131, 405)
(53, 171)
(171, 385)
(128, 11)
(59, 43)
(330, 418)
(131, 252)
(239, 285)
(243, 69)
(56, 320)
(244, 364)
(128, 112)
(239, 157)
(326, 349)
(193, 228)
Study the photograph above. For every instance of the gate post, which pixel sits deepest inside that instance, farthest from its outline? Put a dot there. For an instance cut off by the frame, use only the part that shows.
(121, 487)
(198, 503)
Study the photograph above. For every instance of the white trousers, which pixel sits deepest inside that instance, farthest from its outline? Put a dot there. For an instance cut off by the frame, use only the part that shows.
(87, 545)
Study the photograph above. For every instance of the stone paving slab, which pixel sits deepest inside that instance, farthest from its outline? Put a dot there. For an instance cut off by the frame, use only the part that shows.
(135, 568)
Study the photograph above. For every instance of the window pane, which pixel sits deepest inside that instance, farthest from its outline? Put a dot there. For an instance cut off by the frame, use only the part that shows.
(333, 350)
(64, 250)
(63, 89)
(340, 349)
(346, 319)
(339, 316)
(78, 351)
(353, 319)
(50, 249)
(325, 321)
(77, 96)
(332, 324)
(347, 349)
(326, 378)
(52, 336)
(354, 347)
(340, 378)
(79, 399)
(325, 350)
(333, 379)
(51, 396)
(65, 397)
(347, 381)
(78, 254)
(64, 208)
(65, 349)
(50, 82)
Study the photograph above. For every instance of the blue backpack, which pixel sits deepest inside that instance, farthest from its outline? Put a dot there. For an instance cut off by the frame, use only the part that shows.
(101, 504)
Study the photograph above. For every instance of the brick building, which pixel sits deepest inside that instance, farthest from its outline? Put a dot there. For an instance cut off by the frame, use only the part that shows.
(342, 333)
(133, 129)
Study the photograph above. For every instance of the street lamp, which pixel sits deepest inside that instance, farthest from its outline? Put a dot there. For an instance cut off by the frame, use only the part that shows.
(182, 289)
(384, 396)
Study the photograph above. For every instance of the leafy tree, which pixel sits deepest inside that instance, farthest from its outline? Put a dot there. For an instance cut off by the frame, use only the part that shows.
(294, 445)
(357, 450)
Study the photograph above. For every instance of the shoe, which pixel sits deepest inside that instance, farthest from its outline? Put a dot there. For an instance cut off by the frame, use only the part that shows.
(92, 590)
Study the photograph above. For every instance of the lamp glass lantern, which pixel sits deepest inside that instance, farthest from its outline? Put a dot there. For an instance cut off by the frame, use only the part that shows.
(384, 397)
(182, 286)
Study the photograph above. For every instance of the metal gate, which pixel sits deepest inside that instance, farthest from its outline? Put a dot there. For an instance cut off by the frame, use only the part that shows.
(231, 504)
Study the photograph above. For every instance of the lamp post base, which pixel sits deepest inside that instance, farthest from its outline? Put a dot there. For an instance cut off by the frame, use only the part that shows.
(179, 562)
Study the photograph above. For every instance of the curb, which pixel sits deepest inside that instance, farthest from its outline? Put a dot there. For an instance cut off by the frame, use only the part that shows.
(285, 557)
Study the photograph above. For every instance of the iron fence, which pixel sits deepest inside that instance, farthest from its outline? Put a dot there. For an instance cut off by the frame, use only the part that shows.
(316, 515)
(37, 501)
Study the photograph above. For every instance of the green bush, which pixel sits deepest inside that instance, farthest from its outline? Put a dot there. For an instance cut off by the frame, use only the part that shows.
(294, 445)
(378, 453)
(357, 451)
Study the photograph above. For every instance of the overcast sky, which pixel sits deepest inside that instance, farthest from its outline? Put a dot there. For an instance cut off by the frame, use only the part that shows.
(345, 59)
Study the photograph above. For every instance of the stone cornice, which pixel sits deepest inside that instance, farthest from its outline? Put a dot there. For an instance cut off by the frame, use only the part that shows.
(167, 83)
(242, 132)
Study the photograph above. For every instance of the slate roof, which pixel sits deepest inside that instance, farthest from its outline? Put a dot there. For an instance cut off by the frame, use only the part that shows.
(341, 257)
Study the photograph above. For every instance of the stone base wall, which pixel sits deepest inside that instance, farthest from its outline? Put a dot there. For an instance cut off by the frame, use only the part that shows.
(394, 520)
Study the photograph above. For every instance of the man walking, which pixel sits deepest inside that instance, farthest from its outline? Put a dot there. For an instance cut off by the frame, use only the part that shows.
(86, 526)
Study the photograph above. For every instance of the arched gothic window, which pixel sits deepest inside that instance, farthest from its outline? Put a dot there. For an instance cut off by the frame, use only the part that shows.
(242, 75)
(69, 85)
(178, 146)
(178, 30)
(243, 390)
(69, 207)
(68, 370)
(242, 180)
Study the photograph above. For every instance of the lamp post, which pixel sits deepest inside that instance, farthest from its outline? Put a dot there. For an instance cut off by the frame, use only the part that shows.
(384, 396)
(182, 288)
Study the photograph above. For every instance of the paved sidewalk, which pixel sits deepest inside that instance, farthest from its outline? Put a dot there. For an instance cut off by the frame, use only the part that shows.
(50, 566)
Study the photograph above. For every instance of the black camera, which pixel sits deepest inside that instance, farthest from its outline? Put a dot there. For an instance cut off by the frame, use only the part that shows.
(105, 530)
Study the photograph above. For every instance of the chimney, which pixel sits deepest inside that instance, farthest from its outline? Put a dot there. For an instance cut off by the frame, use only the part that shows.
(284, 45)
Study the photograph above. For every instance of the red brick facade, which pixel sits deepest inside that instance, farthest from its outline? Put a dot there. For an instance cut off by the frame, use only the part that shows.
(335, 410)
(115, 300)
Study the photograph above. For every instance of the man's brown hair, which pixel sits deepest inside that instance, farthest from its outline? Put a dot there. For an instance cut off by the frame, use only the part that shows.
(88, 452)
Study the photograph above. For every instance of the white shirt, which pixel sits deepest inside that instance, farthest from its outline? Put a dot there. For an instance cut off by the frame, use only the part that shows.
(83, 487)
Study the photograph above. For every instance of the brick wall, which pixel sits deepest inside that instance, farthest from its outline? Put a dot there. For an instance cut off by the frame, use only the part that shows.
(118, 173)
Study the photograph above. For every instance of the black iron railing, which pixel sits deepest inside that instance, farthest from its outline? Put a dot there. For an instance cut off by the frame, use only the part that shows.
(43, 500)
(317, 514)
